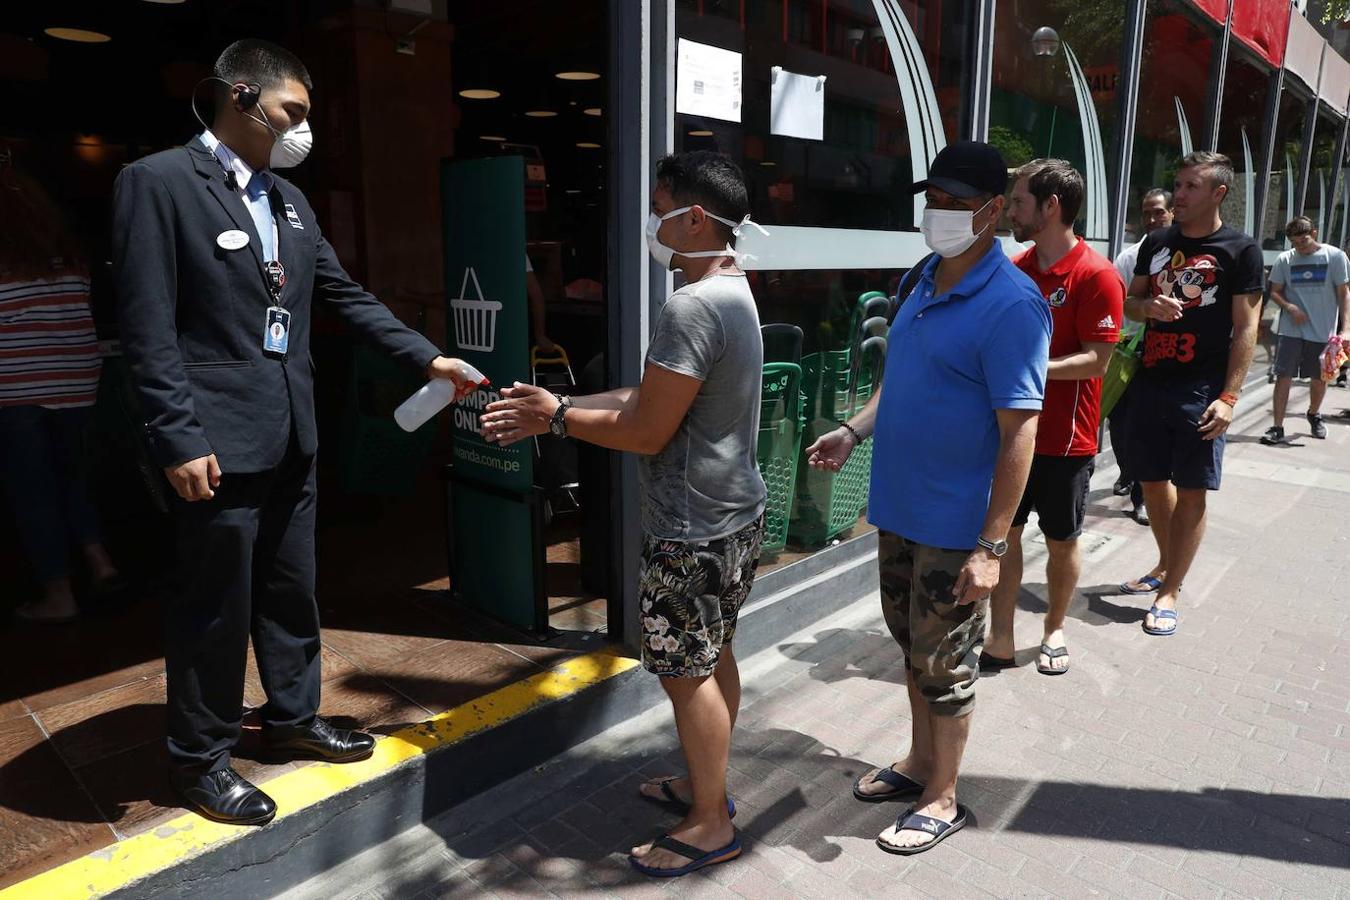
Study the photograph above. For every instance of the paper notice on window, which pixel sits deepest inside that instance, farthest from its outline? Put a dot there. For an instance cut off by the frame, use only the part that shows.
(708, 81)
(797, 105)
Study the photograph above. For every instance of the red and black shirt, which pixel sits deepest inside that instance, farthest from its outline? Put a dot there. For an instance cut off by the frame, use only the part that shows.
(1086, 299)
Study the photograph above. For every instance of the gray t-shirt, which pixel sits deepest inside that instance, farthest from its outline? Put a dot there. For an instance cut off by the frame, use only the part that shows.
(706, 484)
(1311, 282)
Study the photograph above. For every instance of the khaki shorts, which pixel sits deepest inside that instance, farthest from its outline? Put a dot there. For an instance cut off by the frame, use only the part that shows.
(941, 638)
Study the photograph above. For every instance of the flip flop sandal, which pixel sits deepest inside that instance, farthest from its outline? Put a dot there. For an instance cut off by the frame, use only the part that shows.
(675, 802)
(901, 783)
(912, 821)
(996, 663)
(1150, 583)
(1159, 614)
(699, 859)
(1052, 653)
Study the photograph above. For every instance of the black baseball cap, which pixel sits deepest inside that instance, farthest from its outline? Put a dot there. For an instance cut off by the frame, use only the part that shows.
(966, 169)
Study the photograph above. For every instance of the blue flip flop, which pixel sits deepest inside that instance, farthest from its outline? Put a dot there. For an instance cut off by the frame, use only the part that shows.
(1161, 614)
(903, 785)
(1152, 585)
(698, 859)
(675, 802)
(940, 830)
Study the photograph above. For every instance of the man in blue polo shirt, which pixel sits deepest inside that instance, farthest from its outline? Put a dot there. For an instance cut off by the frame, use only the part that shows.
(955, 430)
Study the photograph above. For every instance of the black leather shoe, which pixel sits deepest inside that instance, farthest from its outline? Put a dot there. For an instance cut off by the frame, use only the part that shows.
(225, 796)
(318, 741)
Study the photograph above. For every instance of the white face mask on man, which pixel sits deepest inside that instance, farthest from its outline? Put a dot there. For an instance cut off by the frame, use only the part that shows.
(951, 232)
(665, 256)
(289, 147)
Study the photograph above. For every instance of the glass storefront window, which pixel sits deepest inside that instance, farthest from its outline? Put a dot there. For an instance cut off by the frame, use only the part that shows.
(1317, 203)
(856, 178)
(1056, 73)
(1280, 200)
(1246, 88)
(1173, 83)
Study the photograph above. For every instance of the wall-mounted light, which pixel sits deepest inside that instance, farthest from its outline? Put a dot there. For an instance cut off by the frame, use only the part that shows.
(480, 94)
(1045, 41)
(592, 111)
(541, 113)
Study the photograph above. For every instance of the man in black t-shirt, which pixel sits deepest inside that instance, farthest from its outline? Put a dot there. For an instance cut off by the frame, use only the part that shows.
(1197, 285)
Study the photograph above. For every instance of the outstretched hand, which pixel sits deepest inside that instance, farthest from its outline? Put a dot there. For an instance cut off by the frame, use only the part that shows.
(455, 370)
(524, 411)
(831, 451)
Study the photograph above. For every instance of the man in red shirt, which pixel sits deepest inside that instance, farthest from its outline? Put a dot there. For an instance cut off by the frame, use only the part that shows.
(1086, 298)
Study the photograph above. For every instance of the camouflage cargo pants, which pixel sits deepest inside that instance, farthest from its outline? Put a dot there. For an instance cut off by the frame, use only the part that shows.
(941, 638)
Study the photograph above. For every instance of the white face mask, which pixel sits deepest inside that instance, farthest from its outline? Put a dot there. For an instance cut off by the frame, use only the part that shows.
(665, 255)
(291, 146)
(950, 232)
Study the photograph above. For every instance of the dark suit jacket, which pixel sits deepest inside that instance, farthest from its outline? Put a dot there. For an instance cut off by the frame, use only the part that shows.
(191, 314)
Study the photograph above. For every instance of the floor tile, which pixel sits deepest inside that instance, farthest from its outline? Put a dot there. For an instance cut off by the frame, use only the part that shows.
(453, 672)
(107, 723)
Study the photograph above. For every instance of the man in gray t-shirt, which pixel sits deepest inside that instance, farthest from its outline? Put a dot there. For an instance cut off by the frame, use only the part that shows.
(1311, 285)
(694, 421)
(705, 483)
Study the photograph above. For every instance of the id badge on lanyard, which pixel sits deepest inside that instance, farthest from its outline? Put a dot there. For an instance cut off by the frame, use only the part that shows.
(277, 330)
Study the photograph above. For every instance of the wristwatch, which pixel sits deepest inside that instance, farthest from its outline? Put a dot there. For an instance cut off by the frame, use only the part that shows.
(557, 426)
(996, 548)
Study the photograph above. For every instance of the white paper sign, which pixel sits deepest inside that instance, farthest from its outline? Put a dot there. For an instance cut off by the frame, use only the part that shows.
(797, 105)
(708, 81)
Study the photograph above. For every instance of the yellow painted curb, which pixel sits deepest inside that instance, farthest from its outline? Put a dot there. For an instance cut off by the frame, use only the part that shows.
(134, 858)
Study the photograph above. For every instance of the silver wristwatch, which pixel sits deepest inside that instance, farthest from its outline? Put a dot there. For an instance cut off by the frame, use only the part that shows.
(557, 426)
(996, 548)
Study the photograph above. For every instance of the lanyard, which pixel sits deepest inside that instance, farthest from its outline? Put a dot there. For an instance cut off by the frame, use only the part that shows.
(274, 273)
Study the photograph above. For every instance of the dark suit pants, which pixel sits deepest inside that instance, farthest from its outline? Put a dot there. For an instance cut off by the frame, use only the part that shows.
(246, 564)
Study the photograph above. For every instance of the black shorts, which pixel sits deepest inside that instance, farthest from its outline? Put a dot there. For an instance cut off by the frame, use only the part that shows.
(1297, 358)
(1165, 444)
(1057, 489)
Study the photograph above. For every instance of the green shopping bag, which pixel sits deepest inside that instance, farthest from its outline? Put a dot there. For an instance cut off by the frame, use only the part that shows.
(1124, 363)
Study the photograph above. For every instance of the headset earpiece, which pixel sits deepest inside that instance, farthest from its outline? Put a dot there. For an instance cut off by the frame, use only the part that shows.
(248, 95)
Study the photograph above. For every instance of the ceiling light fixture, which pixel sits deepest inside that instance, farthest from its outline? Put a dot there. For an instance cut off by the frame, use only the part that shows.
(480, 94)
(492, 137)
(166, 2)
(592, 111)
(540, 113)
(588, 145)
(78, 35)
(578, 76)
(768, 162)
(700, 132)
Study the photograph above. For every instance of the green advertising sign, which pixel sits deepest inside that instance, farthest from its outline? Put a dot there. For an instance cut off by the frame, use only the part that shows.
(494, 516)
(483, 203)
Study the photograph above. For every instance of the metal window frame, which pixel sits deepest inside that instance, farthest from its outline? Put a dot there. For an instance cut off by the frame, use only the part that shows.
(982, 84)
(1218, 73)
(1305, 152)
(641, 52)
(1130, 66)
(1267, 151)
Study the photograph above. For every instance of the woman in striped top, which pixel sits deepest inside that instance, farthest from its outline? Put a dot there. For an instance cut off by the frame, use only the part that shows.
(49, 370)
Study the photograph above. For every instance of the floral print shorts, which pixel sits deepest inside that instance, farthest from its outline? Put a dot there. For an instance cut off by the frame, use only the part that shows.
(691, 595)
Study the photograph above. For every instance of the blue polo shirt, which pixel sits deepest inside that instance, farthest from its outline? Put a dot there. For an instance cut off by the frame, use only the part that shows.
(952, 360)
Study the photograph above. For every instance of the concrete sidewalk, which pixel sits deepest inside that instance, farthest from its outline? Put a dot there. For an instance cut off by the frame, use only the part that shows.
(1212, 763)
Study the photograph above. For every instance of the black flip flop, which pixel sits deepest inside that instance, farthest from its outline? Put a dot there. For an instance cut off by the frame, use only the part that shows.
(674, 801)
(902, 783)
(1052, 653)
(996, 663)
(912, 821)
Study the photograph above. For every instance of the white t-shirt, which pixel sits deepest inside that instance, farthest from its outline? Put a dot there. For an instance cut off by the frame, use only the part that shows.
(1125, 264)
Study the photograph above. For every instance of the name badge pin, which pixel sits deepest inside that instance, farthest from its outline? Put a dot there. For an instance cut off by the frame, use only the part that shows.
(232, 240)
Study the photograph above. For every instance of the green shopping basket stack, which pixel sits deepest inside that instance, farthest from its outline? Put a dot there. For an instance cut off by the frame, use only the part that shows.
(837, 384)
(781, 419)
(780, 442)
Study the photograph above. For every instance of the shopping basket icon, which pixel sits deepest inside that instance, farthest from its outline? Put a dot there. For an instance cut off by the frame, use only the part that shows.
(475, 319)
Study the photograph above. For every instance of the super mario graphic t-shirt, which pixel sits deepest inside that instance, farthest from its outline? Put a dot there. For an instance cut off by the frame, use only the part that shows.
(1086, 300)
(1204, 274)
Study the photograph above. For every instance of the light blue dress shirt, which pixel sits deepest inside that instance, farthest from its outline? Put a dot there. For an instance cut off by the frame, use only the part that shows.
(253, 188)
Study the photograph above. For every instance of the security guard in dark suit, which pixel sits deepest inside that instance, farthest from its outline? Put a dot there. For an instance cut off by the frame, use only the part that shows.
(218, 262)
